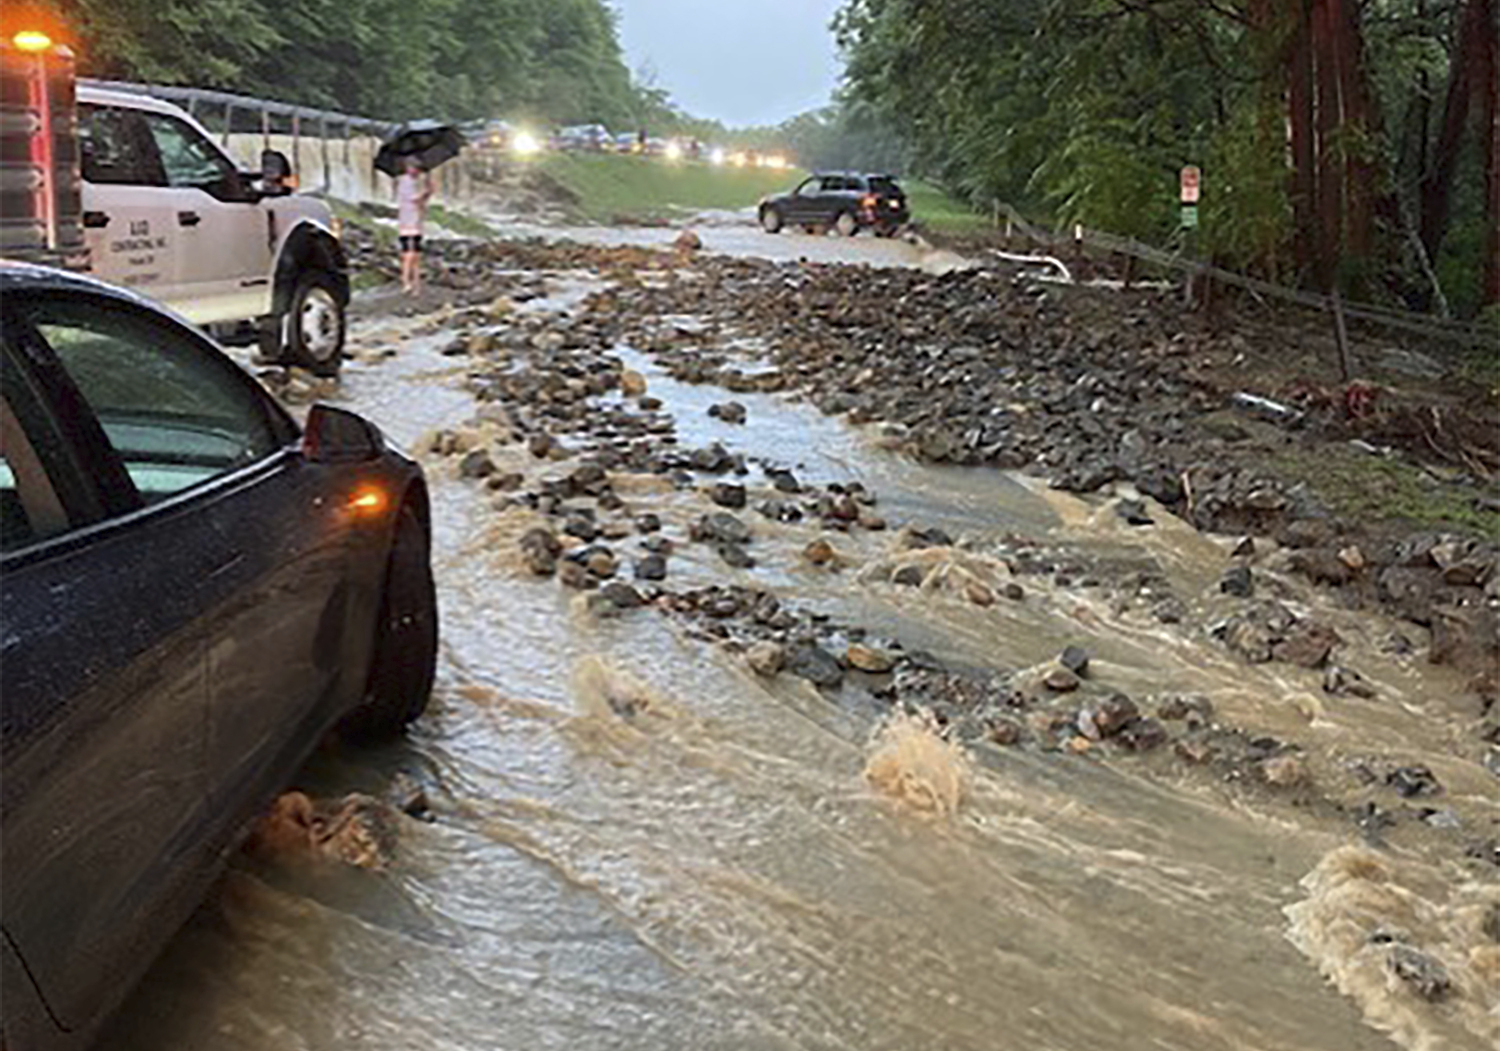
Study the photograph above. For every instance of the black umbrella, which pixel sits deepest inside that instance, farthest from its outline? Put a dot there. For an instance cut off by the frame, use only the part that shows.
(430, 142)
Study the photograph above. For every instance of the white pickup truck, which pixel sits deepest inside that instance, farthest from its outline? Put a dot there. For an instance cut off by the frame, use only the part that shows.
(165, 211)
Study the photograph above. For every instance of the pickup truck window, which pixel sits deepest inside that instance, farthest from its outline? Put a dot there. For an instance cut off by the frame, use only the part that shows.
(116, 148)
(187, 158)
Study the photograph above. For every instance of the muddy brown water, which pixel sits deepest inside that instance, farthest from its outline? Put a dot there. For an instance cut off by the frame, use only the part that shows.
(640, 844)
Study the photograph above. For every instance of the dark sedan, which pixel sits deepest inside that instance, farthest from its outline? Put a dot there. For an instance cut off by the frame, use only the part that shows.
(193, 590)
(845, 201)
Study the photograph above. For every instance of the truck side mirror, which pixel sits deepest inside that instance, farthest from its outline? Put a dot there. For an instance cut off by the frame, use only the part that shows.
(275, 172)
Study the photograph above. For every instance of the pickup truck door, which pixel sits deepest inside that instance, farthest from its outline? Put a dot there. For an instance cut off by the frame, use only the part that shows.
(224, 233)
(130, 239)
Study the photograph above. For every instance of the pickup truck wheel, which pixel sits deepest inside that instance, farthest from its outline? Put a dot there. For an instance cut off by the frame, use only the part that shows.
(406, 640)
(316, 337)
(770, 220)
(846, 224)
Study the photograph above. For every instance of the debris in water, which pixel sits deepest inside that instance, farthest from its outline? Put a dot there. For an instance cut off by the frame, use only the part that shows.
(356, 830)
(913, 762)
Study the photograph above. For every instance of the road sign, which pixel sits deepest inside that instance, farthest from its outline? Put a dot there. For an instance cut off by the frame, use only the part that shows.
(1189, 216)
(1191, 181)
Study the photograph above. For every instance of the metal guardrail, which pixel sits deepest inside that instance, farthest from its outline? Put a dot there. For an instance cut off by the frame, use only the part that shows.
(306, 121)
(194, 98)
(1389, 317)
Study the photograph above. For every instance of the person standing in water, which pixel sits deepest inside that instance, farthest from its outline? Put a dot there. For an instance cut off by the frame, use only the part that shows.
(413, 190)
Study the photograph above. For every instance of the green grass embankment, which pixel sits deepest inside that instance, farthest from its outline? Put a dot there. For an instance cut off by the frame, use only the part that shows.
(635, 189)
(933, 209)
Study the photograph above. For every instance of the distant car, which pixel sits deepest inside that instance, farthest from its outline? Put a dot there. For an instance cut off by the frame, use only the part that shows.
(589, 137)
(628, 142)
(846, 201)
(489, 134)
(195, 591)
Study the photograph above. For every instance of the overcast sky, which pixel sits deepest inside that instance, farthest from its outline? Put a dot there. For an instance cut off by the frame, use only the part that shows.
(741, 61)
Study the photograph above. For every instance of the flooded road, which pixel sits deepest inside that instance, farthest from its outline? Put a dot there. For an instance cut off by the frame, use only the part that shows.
(639, 842)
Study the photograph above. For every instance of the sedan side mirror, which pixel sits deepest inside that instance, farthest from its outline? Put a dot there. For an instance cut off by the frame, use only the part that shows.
(336, 436)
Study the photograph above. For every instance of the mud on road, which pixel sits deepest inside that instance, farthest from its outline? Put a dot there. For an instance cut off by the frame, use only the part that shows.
(850, 658)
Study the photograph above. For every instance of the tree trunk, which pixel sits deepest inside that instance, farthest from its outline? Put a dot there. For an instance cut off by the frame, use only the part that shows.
(1359, 122)
(1477, 18)
(1303, 189)
(1325, 18)
(1488, 71)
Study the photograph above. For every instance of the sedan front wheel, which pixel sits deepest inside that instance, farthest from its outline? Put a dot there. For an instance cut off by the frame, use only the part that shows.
(770, 220)
(404, 662)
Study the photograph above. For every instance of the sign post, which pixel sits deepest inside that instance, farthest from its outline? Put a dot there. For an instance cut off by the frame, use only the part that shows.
(1190, 186)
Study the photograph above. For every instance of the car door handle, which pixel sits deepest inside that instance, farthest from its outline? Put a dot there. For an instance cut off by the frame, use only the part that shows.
(96, 220)
(188, 218)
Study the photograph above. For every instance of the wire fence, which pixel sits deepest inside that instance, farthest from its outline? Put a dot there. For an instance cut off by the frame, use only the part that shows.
(1458, 332)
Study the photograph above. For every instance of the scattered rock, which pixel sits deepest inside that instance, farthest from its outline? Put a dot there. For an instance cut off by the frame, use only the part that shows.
(1308, 645)
(1238, 581)
(1424, 974)
(729, 412)
(1283, 771)
(651, 567)
(476, 464)
(1142, 734)
(726, 494)
(621, 595)
(783, 481)
(766, 658)
(1180, 708)
(1075, 659)
(1490, 925)
(815, 664)
(1134, 513)
(1005, 731)
(909, 576)
(1413, 781)
(1340, 681)
(869, 659)
(1061, 680)
(574, 575)
(632, 383)
(820, 553)
(540, 548)
(601, 562)
(721, 527)
(735, 555)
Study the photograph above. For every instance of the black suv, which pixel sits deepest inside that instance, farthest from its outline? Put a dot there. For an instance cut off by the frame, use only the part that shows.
(843, 200)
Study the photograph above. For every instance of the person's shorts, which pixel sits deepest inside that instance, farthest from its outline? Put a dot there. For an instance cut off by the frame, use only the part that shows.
(411, 242)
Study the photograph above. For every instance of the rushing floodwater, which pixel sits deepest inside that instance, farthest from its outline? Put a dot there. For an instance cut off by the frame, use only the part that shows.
(715, 869)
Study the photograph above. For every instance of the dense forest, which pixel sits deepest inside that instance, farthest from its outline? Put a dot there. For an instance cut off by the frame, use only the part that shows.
(553, 60)
(1348, 142)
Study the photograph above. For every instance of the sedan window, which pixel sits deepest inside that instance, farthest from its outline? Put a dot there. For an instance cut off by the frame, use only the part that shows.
(30, 508)
(175, 412)
(810, 188)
